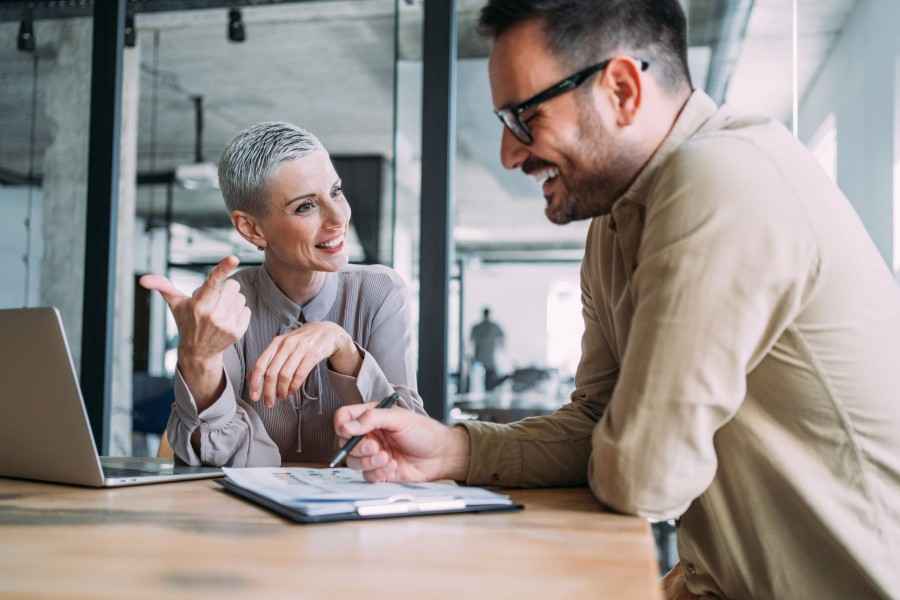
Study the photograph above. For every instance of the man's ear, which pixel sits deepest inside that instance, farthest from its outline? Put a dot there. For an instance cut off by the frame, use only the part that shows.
(622, 81)
(248, 226)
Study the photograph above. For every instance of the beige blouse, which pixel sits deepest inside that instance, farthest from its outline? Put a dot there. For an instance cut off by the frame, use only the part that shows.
(371, 303)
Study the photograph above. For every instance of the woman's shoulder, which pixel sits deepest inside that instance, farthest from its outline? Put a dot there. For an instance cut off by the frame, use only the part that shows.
(247, 277)
(372, 282)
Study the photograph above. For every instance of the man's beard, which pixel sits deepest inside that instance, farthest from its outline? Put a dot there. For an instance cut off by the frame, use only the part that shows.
(594, 188)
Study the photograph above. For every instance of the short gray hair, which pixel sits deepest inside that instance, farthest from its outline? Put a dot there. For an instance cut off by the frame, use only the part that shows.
(253, 155)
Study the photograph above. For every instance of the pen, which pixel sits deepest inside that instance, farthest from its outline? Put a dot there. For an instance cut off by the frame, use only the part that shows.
(353, 441)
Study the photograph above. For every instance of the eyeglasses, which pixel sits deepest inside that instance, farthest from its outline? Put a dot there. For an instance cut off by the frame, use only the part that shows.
(511, 116)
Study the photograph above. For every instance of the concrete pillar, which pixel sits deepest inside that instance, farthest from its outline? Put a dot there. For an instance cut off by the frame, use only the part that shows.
(65, 83)
(123, 347)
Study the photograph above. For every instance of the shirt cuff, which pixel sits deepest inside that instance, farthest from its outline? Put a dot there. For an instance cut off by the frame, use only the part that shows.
(215, 416)
(494, 458)
(369, 384)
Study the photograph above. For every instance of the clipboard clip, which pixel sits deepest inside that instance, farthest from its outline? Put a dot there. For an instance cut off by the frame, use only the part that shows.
(403, 505)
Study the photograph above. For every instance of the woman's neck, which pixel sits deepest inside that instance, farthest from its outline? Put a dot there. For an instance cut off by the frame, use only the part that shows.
(299, 285)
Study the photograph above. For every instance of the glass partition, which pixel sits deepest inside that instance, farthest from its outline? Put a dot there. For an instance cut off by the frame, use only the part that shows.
(327, 66)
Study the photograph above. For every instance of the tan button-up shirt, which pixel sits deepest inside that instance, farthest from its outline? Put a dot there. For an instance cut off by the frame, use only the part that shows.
(371, 303)
(739, 371)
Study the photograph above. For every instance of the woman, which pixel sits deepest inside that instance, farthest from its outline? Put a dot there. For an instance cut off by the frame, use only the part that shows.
(266, 357)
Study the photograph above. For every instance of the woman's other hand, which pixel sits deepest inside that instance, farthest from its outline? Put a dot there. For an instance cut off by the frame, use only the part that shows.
(283, 367)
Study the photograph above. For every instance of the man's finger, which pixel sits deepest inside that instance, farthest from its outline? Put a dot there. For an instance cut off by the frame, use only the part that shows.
(166, 289)
(369, 463)
(350, 413)
(387, 473)
(369, 446)
(376, 418)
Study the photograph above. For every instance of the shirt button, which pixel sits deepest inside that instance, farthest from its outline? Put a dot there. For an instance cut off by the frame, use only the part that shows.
(691, 569)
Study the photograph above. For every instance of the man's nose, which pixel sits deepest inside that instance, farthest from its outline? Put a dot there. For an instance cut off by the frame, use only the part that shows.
(512, 152)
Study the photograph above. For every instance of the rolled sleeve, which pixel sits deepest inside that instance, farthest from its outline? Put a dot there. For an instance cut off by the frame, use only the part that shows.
(231, 433)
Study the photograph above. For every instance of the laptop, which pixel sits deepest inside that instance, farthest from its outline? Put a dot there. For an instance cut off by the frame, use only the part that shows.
(44, 429)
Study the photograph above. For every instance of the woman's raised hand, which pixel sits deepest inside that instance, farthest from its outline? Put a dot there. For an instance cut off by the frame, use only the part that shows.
(211, 319)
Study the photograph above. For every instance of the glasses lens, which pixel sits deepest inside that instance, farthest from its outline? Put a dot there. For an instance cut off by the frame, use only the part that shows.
(515, 125)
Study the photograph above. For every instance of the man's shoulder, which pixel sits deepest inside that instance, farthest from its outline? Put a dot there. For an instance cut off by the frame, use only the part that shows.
(733, 165)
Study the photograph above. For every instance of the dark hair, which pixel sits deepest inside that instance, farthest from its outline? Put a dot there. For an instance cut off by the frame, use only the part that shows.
(583, 31)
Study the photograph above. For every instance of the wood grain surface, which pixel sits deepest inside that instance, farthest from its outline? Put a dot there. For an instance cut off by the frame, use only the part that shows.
(193, 540)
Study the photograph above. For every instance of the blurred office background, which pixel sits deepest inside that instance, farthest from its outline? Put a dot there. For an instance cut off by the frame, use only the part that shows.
(194, 72)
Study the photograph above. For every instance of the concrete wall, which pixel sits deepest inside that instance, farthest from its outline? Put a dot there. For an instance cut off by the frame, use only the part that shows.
(20, 252)
(859, 86)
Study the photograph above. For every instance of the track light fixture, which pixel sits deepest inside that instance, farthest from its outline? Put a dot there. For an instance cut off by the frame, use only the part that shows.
(236, 31)
(130, 32)
(25, 41)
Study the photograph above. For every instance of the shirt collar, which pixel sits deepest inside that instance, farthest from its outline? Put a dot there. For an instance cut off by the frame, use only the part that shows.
(696, 113)
(286, 310)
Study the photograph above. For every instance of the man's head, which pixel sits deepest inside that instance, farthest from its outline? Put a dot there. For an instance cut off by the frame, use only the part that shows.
(285, 197)
(486, 312)
(586, 145)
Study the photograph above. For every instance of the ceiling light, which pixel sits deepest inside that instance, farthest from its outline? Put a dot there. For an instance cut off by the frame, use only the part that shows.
(25, 41)
(236, 32)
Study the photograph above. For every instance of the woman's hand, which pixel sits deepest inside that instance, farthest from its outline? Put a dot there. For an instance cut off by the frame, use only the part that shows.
(209, 321)
(284, 366)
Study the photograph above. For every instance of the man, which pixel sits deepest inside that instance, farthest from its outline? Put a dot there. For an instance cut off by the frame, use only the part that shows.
(741, 331)
(487, 337)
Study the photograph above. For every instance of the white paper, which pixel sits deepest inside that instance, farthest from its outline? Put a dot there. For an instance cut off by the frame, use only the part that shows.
(332, 491)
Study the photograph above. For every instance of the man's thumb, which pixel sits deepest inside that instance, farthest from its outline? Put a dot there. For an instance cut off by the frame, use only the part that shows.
(166, 288)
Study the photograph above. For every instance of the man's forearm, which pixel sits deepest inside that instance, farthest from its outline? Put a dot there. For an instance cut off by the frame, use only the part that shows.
(205, 378)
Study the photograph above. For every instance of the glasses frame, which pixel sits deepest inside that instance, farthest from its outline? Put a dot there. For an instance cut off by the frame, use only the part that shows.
(511, 115)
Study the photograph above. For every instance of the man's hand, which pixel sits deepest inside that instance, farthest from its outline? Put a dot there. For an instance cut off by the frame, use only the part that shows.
(283, 367)
(400, 445)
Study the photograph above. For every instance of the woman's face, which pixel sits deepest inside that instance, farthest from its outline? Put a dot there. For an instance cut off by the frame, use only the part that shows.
(306, 222)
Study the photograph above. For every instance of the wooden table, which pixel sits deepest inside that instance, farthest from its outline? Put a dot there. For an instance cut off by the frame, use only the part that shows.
(192, 540)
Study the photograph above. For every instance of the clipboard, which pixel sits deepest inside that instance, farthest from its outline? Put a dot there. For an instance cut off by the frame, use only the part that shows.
(364, 510)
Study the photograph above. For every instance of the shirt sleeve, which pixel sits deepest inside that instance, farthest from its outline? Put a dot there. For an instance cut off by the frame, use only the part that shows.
(388, 364)
(551, 450)
(231, 433)
(726, 262)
